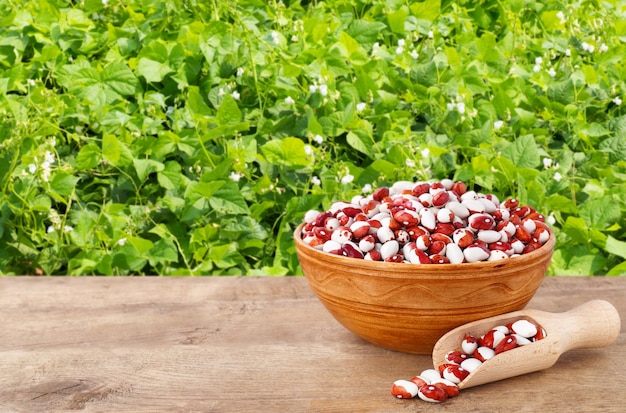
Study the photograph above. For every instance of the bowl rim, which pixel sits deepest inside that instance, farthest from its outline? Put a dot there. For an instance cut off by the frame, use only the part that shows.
(403, 268)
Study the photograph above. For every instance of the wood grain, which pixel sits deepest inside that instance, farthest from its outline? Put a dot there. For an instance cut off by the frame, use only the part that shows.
(262, 344)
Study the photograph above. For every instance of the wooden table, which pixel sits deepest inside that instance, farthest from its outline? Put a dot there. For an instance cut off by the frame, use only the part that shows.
(252, 344)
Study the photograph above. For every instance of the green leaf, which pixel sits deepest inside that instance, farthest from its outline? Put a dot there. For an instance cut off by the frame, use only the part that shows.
(523, 152)
(424, 74)
(228, 113)
(618, 125)
(145, 167)
(288, 152)
(576, 228)
(88, 157)
(361, 140)
(551, 20)
(365, 32)
(600, 213)
(206, 189)
(115, 151)
(163, 251)
(229, 200)
(171, 176)
(557, 202)
(41, 203)
(127, 258)
(616, 146)
(225, 255)
(152, 70)
(141, 245)
(562, 92)
(120, 79)
(397, 20)
(349, 44)
(619, 269)
(196, 103)
(426, 10)
(63, 183)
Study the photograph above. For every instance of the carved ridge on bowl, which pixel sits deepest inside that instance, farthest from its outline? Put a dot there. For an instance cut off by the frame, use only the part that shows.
(419, 292)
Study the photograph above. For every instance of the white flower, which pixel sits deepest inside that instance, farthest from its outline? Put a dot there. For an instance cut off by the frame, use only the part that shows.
(289, 100)
(121, 242)
(32, 168)
(552, 72)
(50, 229)
(399, 50)
(49, 157)
(498, 124)
(588, 47)
(323, 90)
(409, 162)
(318, 139)
(313, 88)
(316, 181)
(294, 38)
(308, 150)
(367, 188)
(105, 2)
(450, 106)
(221, 92)
(68, 228)
(347, 179)
(460, 107)
(536, 68)
(425, 153)
(538, 60)
(235, 176)
(568, 52)
(547, 162)
(414, 54)
(551, 219)
(557, 176)
(431, 34)
(617, 100)
(240, 71)
(360, 107)
(275, 37)
(401, 43)
(45, 171)
(31, 82)
(603, 48)
(236, 95)
(561, 16)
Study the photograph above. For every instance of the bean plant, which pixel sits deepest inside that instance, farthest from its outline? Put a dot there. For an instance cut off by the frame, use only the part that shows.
(190, 137)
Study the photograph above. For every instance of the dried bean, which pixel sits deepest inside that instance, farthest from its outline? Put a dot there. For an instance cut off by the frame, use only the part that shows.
(473, 226)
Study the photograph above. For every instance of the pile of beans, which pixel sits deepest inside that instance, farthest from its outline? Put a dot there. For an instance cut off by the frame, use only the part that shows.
(437, 385)
(426, 223)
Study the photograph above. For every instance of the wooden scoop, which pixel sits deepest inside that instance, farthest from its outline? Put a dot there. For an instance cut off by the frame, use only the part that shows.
(593, 324)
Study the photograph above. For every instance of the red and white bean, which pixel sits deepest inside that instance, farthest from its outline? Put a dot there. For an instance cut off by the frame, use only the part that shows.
(444, 221)
(437, 385)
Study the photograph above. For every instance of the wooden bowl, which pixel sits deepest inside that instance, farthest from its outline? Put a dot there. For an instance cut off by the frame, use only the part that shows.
(408, 307)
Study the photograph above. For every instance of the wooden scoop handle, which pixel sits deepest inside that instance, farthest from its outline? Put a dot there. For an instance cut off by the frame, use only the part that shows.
(592, 324)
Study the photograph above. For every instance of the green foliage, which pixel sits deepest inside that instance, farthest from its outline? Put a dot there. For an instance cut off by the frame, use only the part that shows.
(184, 137)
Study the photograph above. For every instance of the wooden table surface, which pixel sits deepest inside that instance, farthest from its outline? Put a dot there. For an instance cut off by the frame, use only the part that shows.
(253, 344)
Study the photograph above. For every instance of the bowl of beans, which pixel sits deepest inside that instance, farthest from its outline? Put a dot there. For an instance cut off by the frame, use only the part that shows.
(405, 264)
